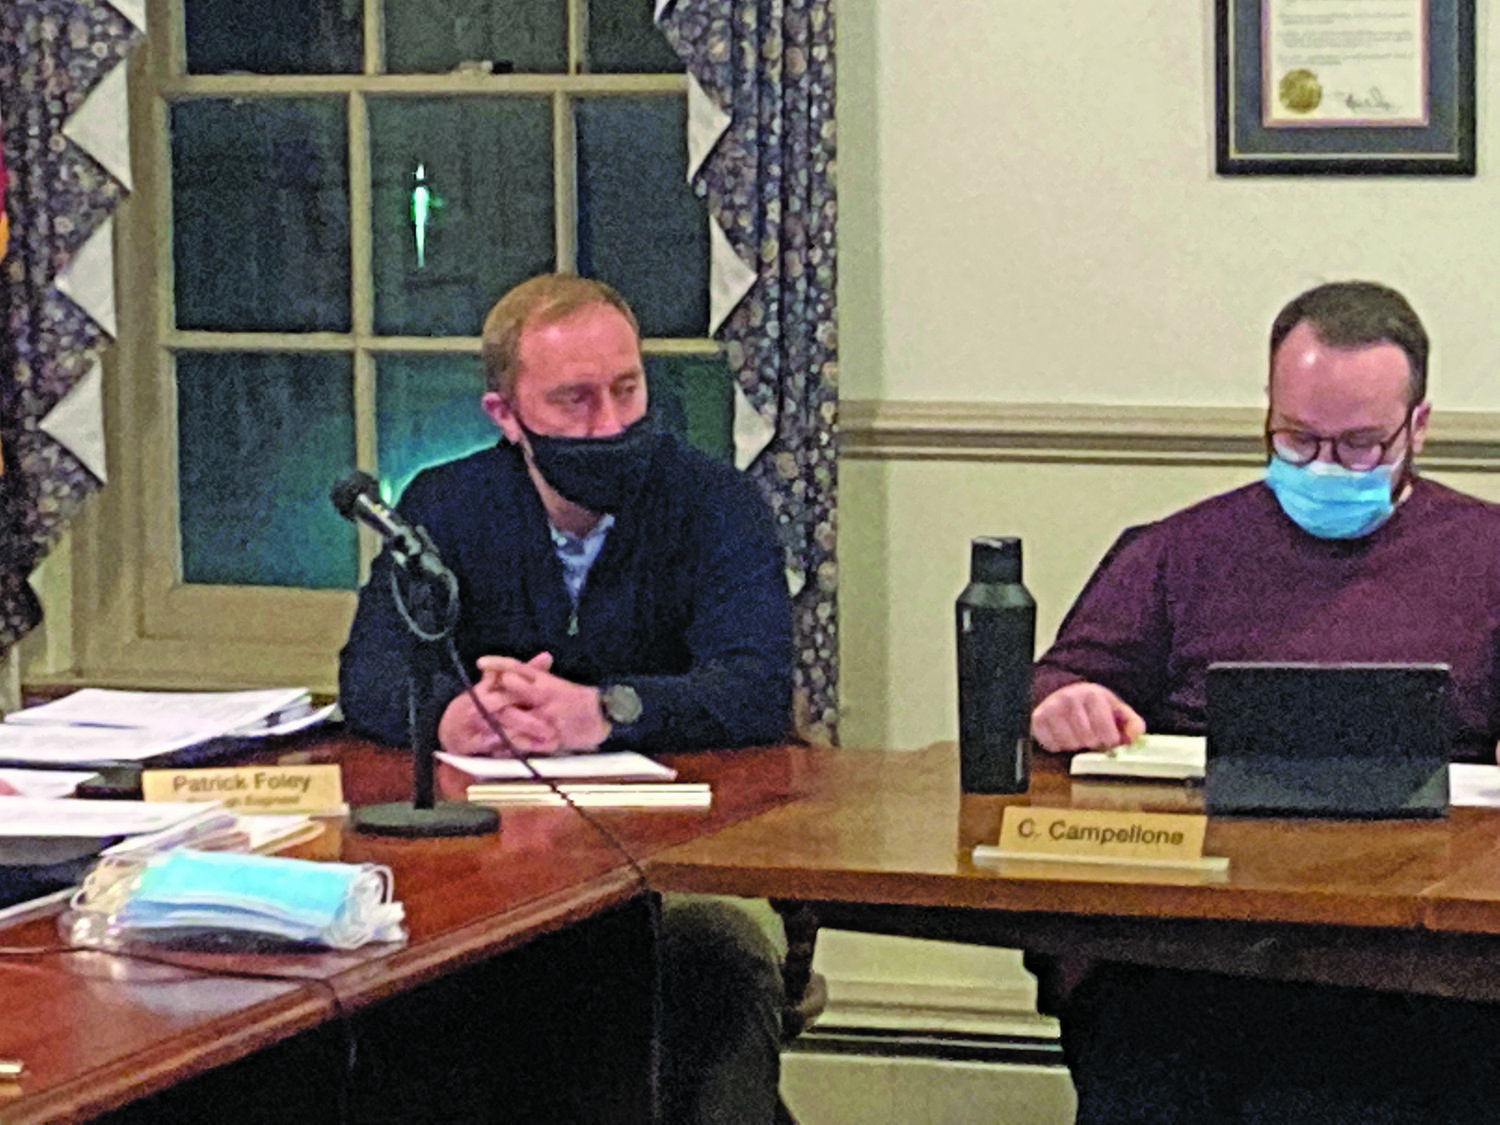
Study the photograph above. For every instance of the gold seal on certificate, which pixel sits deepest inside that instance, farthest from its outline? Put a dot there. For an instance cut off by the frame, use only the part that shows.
(1300, 90)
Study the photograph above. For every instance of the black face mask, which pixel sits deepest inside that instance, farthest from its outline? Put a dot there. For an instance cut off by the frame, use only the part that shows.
(600, 474)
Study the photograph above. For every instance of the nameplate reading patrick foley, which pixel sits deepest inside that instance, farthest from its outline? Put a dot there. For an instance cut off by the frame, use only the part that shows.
(310, 790)
(1136, 839)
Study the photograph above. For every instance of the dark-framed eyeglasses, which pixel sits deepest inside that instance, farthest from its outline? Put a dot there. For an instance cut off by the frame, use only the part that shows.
(1357, 452)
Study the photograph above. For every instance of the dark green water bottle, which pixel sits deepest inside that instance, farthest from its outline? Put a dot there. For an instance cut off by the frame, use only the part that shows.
(996, 620)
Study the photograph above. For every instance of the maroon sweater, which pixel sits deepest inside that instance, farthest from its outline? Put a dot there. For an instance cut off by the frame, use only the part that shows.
(1232, 578)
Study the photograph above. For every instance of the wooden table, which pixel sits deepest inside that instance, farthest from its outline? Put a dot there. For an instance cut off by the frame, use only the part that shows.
(529, 973)
(881, 843)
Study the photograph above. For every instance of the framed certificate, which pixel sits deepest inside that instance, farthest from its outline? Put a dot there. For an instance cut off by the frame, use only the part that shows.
(1345, 87)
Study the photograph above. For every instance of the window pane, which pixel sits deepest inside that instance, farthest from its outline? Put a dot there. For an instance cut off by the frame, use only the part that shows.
(434, 36)
(463, 208)
(693, 395)
(260, 215)
(260, 441)
(640, 227)
(623, 38)
(273, 36)
(427, 411)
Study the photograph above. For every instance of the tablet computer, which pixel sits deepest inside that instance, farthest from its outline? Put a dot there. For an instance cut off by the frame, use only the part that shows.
(1344, 739)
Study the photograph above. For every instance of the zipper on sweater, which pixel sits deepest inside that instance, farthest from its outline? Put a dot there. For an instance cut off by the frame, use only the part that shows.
(573, 621)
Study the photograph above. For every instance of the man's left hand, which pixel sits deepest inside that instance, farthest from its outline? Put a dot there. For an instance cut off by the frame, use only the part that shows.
(572, 709)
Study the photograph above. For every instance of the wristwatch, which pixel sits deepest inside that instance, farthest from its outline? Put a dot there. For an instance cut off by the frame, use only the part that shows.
(620, 703)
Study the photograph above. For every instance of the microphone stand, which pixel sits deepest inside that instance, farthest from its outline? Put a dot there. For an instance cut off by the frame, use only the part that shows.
(428, 602)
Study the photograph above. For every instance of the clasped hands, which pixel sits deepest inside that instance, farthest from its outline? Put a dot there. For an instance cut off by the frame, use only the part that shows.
(536, 712)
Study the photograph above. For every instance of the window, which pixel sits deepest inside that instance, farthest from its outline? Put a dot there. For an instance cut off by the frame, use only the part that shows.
(330, 194)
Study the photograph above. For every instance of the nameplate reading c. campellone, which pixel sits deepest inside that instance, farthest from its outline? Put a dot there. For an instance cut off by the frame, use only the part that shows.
(1100, 836)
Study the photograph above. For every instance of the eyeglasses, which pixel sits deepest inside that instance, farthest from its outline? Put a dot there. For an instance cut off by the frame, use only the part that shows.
(1353, 451)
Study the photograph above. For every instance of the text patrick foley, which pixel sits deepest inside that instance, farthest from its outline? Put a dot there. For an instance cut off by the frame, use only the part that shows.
(1135, 834)
(240, 783)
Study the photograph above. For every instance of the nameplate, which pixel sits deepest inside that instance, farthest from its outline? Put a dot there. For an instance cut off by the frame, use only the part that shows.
(316, 790)
(1137, 839)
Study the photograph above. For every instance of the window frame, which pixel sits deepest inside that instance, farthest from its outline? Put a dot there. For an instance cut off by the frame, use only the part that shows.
(134, 619)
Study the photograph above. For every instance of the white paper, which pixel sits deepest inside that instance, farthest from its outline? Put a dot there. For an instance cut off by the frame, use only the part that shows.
(1179, 756)
(201, 713)
(622, 765)
(20, 912)
(1470, 784)
(43, 783)
(291, 726)
(628, 797)
(65, 816)
(273, 828)
(24, 742)
(208, 828)
(1345, 62)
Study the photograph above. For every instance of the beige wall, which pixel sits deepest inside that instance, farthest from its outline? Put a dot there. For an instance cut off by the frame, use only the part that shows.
(1029, 215)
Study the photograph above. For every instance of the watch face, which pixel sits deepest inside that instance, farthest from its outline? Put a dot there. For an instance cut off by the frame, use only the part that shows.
(621, 703)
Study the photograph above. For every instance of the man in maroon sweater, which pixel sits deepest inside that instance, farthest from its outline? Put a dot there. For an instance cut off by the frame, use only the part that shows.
(1341, 553)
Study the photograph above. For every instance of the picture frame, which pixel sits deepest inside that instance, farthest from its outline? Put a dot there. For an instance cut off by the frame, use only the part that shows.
(1345, 88)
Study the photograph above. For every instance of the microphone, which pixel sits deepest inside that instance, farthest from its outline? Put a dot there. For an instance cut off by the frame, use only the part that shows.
(357, 498)
(428, 605)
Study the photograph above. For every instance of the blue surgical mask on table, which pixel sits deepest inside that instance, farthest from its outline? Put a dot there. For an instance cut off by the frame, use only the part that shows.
(340, 905)
(1332, 502)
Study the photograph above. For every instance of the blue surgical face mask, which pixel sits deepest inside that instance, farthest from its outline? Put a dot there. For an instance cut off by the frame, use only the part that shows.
(1332, 502)
(335, 904)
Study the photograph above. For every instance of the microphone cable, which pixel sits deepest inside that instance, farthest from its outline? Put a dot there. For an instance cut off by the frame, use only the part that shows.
(491, 721)
(443, 631)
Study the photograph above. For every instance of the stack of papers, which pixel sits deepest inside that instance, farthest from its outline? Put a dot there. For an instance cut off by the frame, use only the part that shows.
(616, 780)
(150, 826)
(158, 823)
(96, 726)
(624, 765)
(41, 783)
(609, 795)
(1177, 757)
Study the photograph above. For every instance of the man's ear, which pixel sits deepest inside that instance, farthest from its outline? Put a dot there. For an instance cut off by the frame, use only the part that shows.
(1419, 418)
(502, 414)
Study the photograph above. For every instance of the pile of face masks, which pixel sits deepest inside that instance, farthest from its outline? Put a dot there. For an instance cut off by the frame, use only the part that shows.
(182, 895)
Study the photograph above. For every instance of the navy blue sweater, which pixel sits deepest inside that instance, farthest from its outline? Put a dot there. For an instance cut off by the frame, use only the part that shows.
(687, 603)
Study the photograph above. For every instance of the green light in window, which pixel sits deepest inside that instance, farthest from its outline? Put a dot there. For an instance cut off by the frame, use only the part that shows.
(424, 202)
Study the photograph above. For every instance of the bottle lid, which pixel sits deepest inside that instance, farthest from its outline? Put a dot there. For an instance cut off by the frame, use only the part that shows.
(995, 559)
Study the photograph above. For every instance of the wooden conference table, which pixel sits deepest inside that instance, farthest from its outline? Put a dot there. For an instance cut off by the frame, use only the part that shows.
(881, 843)
(527, 982)
(537, 942)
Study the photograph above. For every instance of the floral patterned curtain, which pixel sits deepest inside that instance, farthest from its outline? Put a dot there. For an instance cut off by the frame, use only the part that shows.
(62, 108)
(761, 152)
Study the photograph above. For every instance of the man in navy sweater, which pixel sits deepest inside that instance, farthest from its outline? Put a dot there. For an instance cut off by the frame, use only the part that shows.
(619, 589)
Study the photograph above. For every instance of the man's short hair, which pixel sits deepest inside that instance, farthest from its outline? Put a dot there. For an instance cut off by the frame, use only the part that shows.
(544, 299)
(1356, 314)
